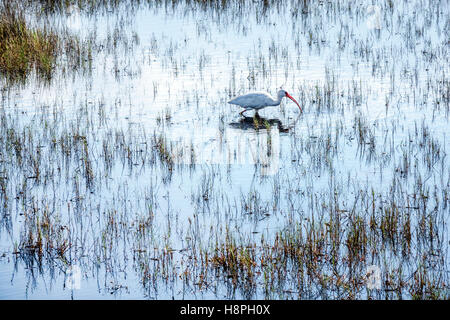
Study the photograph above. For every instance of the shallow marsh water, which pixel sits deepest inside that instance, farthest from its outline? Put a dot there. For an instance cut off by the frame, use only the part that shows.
(132, 171)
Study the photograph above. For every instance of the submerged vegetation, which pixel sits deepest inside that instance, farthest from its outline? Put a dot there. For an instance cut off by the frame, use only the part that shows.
(130, 165)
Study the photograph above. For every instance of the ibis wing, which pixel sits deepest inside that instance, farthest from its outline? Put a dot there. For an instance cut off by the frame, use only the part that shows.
(252, 100)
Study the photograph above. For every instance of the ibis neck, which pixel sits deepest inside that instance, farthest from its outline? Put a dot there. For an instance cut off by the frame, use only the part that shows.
(278, 100)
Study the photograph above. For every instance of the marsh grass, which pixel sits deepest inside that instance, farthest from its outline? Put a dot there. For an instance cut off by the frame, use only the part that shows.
(22, 48)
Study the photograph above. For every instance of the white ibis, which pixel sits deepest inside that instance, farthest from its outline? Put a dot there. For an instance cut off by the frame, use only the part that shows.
(259, 100)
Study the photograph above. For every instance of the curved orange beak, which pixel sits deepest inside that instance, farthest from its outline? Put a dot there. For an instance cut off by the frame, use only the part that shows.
(290, 97)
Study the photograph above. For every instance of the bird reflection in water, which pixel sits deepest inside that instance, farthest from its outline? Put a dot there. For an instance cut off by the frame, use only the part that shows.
(257, 122)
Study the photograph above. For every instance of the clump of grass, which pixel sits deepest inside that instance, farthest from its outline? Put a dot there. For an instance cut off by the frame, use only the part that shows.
(238, 261)
(23, 48)
(164, 151)
(43, 234)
